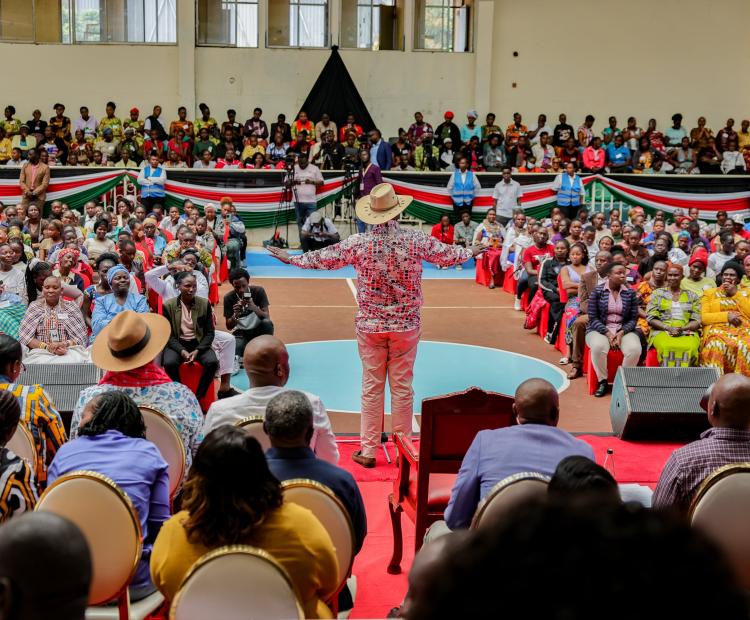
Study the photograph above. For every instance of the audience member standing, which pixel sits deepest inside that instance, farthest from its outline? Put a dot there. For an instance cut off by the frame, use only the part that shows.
(463, 186)
(506, 197)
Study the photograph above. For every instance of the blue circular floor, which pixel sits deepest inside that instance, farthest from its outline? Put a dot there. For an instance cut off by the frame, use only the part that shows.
(332, 370)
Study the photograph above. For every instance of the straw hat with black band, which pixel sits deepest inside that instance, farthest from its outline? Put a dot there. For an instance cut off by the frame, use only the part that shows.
(382, 205)
(131, 340)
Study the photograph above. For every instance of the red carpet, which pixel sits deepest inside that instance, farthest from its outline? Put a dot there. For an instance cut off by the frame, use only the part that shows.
(377, 591)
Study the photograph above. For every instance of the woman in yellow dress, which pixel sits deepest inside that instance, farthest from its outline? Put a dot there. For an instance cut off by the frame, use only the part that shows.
(725, 313)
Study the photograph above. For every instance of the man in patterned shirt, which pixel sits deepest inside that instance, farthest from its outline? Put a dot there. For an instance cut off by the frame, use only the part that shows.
(37, 411)
(388, 261)
(727, 442)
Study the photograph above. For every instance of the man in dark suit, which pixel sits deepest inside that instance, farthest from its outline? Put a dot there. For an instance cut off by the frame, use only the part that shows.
(380, 151)
(589, 281)
(289, 425)
(192, 336)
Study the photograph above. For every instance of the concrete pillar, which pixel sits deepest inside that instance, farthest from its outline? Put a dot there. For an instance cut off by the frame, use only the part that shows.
(186, 55)
(483, 22)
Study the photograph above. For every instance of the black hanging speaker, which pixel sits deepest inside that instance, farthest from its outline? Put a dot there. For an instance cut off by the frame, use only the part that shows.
(660, 403)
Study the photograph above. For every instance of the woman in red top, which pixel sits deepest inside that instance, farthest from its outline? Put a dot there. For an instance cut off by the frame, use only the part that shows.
(443, 230)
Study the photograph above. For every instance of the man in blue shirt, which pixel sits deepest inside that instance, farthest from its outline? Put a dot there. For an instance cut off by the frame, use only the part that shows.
(533, 445)
(618, 155)
(289, 425)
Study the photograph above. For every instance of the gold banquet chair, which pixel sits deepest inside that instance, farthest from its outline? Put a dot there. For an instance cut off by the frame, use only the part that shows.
(110, 524)
(22, 444)
(162, 432)
(237, 582)
(332, 514)
(507, 495)
(720, 508)
(253, 426)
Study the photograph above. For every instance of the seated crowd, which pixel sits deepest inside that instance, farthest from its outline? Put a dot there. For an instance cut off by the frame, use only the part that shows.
(233, 495)
(679, 286)
(206, 143)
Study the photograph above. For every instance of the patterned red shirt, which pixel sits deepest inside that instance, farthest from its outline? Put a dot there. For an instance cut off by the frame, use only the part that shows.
(693, 463)
(388, 261)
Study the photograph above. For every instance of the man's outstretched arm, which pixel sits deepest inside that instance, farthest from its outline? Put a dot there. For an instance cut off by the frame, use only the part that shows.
(332, 257)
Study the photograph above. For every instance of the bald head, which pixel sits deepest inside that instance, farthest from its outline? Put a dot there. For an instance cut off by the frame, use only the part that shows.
(729, 403)
(537, 402)
(43, 539)
(266, 362)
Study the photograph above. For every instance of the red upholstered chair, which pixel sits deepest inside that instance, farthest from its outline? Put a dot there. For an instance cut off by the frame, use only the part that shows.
(543, 325)
(561, 345)
(426, 476)
(614, 361)
(190, 375)
(652, 359)
(509, 283)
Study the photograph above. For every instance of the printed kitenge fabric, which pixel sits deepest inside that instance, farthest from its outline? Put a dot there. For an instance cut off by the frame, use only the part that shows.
(43, 421)
(17, 490)
(726, 346)
(674, 350)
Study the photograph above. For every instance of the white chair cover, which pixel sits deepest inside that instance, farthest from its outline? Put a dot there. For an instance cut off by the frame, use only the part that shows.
(720, 509)
(329, 510)
(22, 444)
(109, 522)
(253, 426)
(508, 494)
(161, 431)
(236, 583)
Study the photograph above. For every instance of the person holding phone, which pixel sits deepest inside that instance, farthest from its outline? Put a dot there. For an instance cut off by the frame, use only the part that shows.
(246, 311)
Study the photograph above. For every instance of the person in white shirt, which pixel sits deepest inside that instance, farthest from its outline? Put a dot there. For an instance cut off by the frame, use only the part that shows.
(543, 151)
(541, 127)
(205, 162)
(717, 259)
(266, 362)
(87, 124)
(307, 177)
(318, 232)
(506, 197)
(732, 161)
(511, 234)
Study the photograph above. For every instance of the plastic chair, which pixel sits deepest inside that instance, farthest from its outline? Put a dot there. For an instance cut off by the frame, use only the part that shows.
(161, 431)
(332, 514)
(614, 361)
(22, 444)
(652, 359)
(507, 495)
(560, 344)
(426, 476)
(235, 583)
(109, 522)
(720, 508)
(542, 327)
(190, 376)
(253, 426)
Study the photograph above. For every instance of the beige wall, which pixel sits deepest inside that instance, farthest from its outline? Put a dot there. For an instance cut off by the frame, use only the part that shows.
(392, 84)
(37, 76)
(599, 58)
(645, 58)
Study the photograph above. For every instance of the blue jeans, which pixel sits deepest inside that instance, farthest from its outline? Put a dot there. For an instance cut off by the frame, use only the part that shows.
(361, 226)
(303, 211)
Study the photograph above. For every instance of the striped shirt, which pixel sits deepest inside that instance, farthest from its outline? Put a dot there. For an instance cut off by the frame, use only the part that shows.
(43, 421)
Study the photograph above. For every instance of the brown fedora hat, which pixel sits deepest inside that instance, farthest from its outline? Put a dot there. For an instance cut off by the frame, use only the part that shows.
(131, 340)
(381, 205)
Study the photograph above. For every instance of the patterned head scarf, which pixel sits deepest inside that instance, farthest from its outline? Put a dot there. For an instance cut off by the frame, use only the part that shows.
(75, 252)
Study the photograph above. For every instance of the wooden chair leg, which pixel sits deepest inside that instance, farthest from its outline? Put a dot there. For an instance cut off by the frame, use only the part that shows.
(394, 566)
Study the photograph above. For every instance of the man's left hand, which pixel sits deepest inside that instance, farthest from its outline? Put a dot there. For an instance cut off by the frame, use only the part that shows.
(279, 253)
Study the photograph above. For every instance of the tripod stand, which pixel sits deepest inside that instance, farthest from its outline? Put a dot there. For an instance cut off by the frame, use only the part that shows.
(347, 201)
(287, 197)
